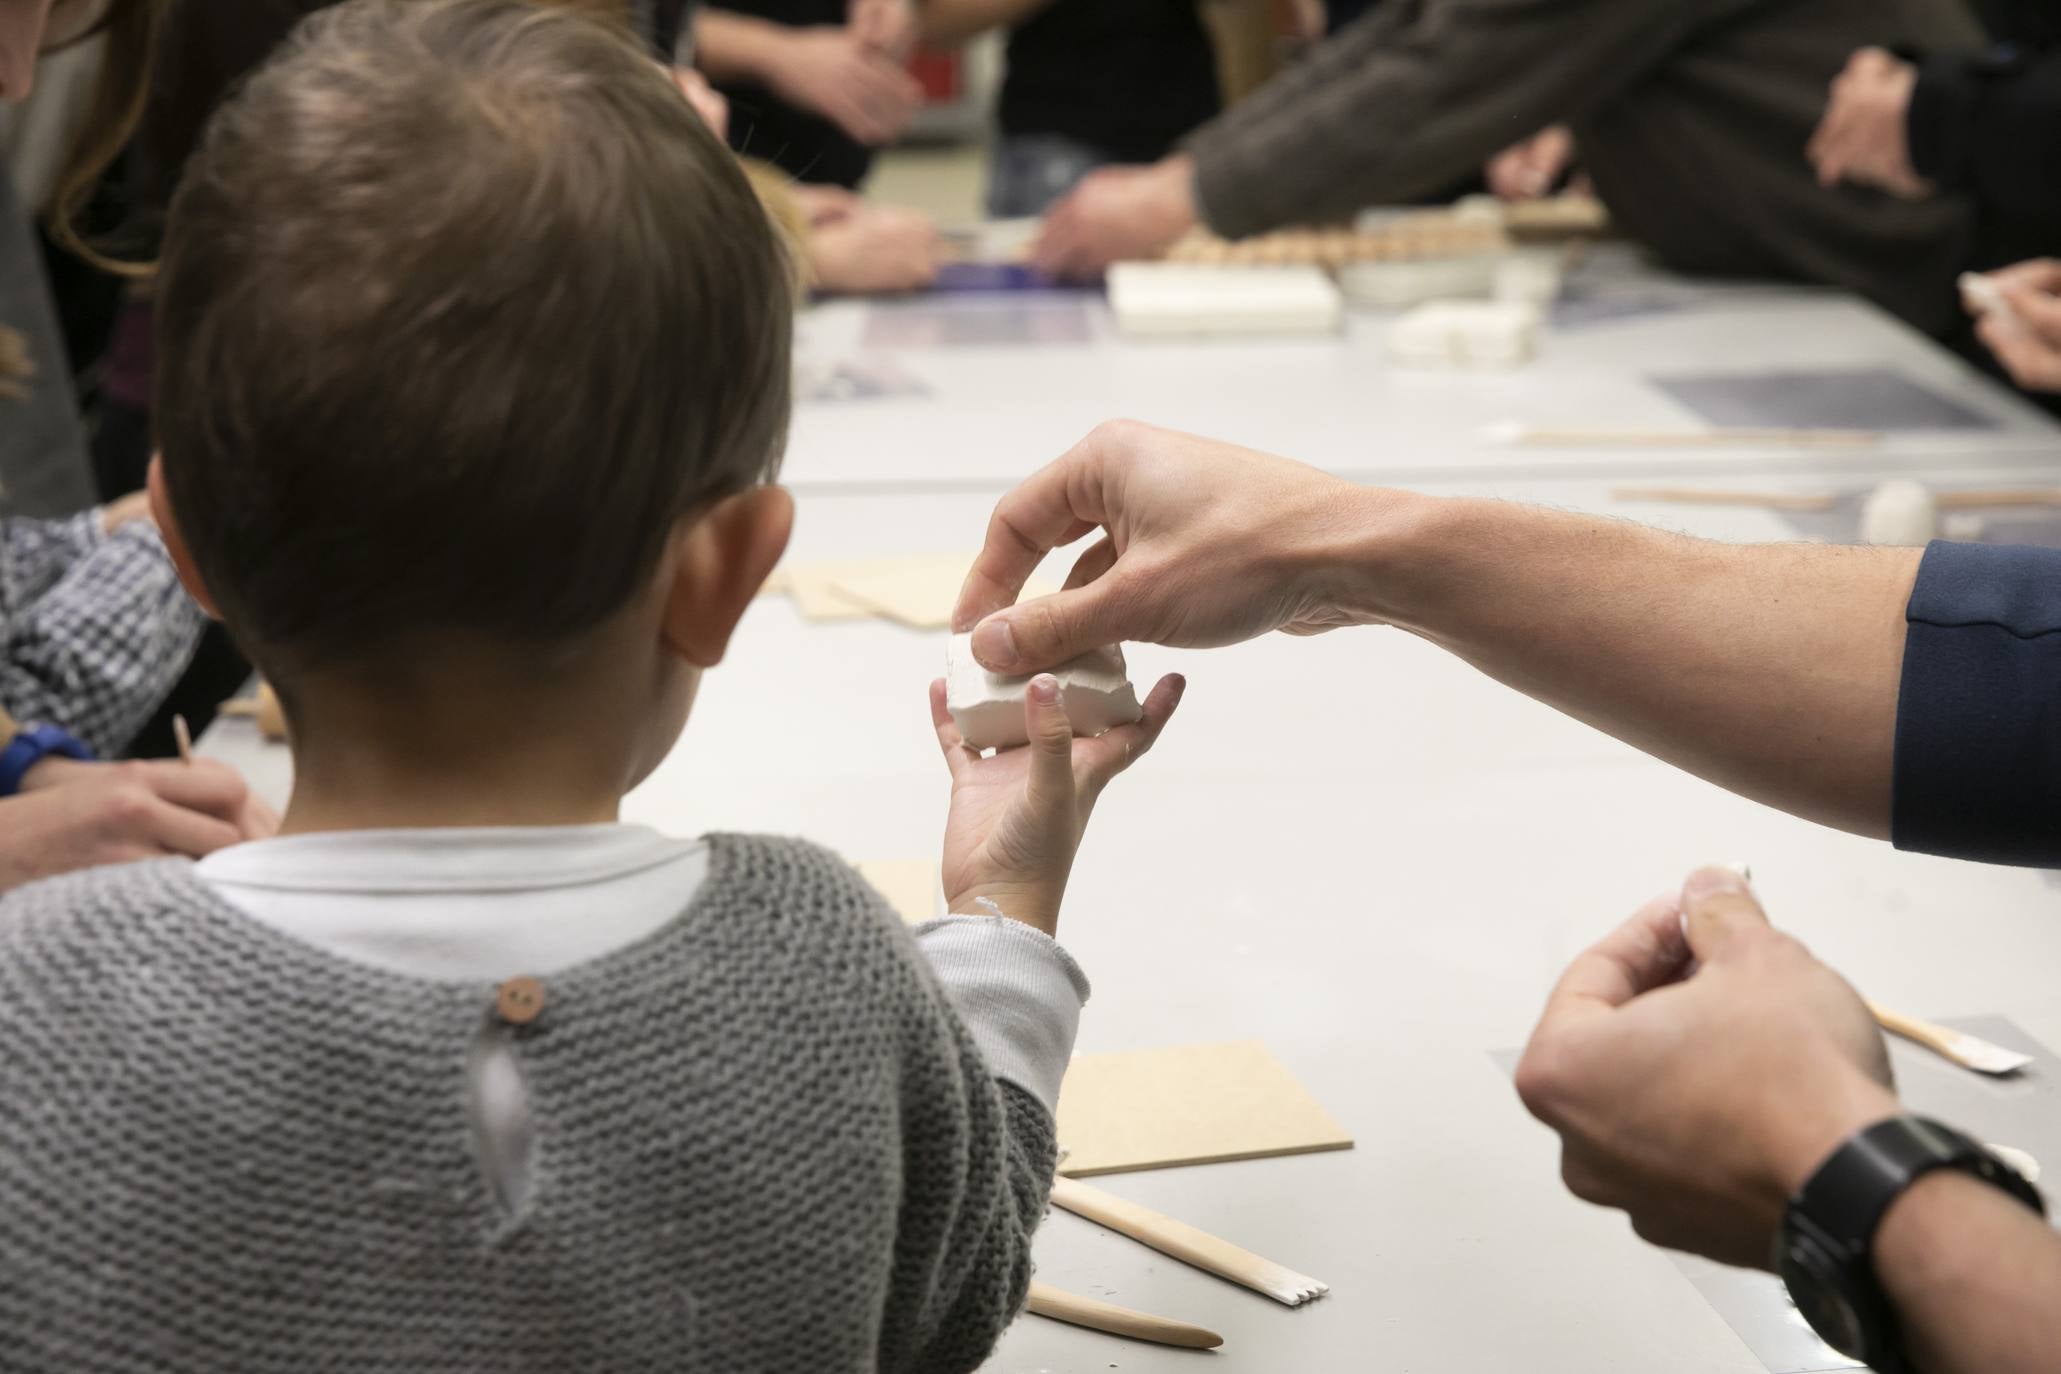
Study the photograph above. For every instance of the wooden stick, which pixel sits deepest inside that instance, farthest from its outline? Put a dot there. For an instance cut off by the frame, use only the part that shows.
(1694, 438)
(1047, 1301)
(1996, 498)
(1969, 1051)
(1696, 496)
(184, 736)
(1186, 1243)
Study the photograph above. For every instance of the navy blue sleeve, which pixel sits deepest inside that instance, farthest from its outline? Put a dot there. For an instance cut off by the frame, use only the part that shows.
(1978, 719)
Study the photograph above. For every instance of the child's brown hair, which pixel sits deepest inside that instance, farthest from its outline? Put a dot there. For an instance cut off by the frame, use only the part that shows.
(462, 309)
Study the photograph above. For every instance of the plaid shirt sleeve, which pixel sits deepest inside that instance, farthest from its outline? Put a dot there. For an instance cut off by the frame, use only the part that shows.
(96, 628)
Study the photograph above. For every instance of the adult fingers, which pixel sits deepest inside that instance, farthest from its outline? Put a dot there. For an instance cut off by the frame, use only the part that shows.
(2037, 274)
(258, 821)
(1099, 559)
(1721, 913)
(1644, 953)
(205, 786)
(1102, 758)
(2039, 310)
(1050, 784)
(958, 755)
(1050, 630)
(177, 830)
(1050, 509)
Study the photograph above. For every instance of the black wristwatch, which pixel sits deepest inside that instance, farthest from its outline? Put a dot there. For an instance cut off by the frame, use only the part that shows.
(1825, 1250)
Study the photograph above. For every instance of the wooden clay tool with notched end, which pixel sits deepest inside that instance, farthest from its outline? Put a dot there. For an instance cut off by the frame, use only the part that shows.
(1186, 1243)
(1047, 1301)
(1969, 1051)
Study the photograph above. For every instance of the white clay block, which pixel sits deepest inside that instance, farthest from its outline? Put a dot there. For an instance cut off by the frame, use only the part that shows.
(1962, 526)
(1180, 299)
(1899, 513)
(988, 707)
(1393, 285)
(1982, 296)
(1465, 334)
(1530, 278)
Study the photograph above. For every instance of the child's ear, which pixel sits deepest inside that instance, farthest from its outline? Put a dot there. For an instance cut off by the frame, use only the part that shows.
(724, 558)
(175, 538)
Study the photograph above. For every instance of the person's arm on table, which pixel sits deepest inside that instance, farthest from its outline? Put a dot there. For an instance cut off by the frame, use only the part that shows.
(1699, 1072)
(826, 68)
(1772, 669)
(1398, 104)
(70, 816)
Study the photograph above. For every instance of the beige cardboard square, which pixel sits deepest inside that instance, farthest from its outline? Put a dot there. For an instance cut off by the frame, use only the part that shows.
(911, 886)
(1187, 1104)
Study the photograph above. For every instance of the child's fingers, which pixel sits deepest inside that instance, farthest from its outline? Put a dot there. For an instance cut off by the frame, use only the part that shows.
(949, 740)
(1107, 755)
(1051, 782)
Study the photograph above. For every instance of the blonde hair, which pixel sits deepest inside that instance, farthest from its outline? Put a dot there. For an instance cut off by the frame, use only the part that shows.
(131, 29)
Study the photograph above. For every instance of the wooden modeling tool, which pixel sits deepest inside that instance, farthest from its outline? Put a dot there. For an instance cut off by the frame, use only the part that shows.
(1693, 496)
(1186, 1243)
(1996, 498)
(1986, 498)
(185, 738)
(1047, 1301)
(1969, 1051)
(1530, 436)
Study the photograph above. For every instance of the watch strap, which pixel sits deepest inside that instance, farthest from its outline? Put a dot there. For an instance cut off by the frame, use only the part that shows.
(1851, 1191)
(30, 747)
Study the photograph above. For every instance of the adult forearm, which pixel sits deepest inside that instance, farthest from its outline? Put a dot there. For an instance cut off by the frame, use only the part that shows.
(948, 23)
(1771, 670)
(1975, 1278)
(1410, 97)
(736, 47)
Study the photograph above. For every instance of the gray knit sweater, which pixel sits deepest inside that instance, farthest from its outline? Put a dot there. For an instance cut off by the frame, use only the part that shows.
(763, 1142)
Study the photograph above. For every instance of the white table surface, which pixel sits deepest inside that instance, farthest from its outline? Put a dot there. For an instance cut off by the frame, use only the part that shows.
(1353, 848)
(996, 411)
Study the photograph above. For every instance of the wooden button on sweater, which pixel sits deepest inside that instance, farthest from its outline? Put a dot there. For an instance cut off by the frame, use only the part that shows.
(519, 1000)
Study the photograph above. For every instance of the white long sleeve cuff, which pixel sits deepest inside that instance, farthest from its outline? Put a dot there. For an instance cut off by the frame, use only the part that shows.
(1018, 992)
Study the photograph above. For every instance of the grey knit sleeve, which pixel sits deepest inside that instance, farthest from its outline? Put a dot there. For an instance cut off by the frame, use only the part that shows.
(978, 1156)
(1415, 95)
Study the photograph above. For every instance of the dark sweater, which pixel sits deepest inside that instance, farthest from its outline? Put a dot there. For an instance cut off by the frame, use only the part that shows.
(1128, 78)
(1692, 117)
(1987, 122)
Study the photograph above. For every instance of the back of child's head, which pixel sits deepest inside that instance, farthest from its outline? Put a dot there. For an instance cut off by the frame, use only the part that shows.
(462, 311)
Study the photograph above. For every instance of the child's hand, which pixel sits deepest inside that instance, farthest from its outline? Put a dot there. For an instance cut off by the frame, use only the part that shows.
(1018, 815)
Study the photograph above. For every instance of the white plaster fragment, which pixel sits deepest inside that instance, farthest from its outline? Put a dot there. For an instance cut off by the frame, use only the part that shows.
(988, 707)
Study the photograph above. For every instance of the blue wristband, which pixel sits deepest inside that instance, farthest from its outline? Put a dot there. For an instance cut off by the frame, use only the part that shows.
(31, 747)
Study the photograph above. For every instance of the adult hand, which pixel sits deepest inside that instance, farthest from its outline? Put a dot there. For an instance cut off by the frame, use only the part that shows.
(1865, 134)
(874, 249)
(1697, 1080)
(2026, 337)
(825, 204)
(706, 100)
(1531, 169)
(70, 816)
(1018, 815)
(830, 70)
(1117, 214)
(888, 27)
(1204, 544)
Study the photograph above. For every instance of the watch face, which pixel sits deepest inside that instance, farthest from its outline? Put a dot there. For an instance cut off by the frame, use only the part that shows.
(1814, 1287)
